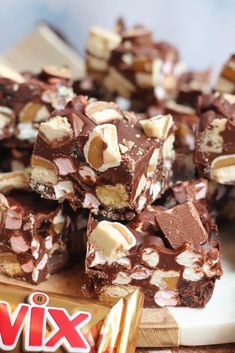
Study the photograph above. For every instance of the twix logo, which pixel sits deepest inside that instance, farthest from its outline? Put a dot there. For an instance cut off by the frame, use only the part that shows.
(43, 328)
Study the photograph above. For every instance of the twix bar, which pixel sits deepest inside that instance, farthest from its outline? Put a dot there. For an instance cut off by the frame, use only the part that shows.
(33, 321)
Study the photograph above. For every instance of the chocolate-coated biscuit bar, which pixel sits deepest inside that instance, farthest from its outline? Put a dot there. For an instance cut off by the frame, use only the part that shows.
(37, 237)
(95, 155)
(35, 321)
(168, 254)
(24, 105)
(215, 150)
(226, 80)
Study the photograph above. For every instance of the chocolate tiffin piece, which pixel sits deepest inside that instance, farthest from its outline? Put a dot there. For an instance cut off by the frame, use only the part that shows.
(195, 190)
(36, 236)
(141, 69)
(187, 122)
(182, 224)
(130, 65)
(215, 149)
(24, 105)
(96, 155)
(136, 254)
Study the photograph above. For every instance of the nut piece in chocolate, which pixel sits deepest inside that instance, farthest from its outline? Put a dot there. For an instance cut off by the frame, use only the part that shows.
(103, 112)
(56, 130)
(102, 150)
(223, 169)
(158, 126)
(112, 239)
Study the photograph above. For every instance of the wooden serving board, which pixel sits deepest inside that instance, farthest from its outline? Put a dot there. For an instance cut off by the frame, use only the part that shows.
(225, 348)
(173, 326)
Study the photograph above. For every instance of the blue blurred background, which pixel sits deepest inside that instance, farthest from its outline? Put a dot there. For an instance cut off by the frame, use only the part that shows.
(203, 30)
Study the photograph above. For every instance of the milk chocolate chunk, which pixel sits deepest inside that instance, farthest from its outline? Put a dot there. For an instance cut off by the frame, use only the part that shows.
(136, 254)
(204, 197)
(95, 155)
(182, 224)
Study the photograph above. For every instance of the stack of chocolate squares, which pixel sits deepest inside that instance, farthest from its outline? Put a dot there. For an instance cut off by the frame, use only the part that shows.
(141, 183)
(94, 155)
(202, 181)
(150, 78)
(129, 64)
(37, 237)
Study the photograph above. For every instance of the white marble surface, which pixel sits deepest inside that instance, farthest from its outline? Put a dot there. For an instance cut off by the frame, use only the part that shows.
(214, 324)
